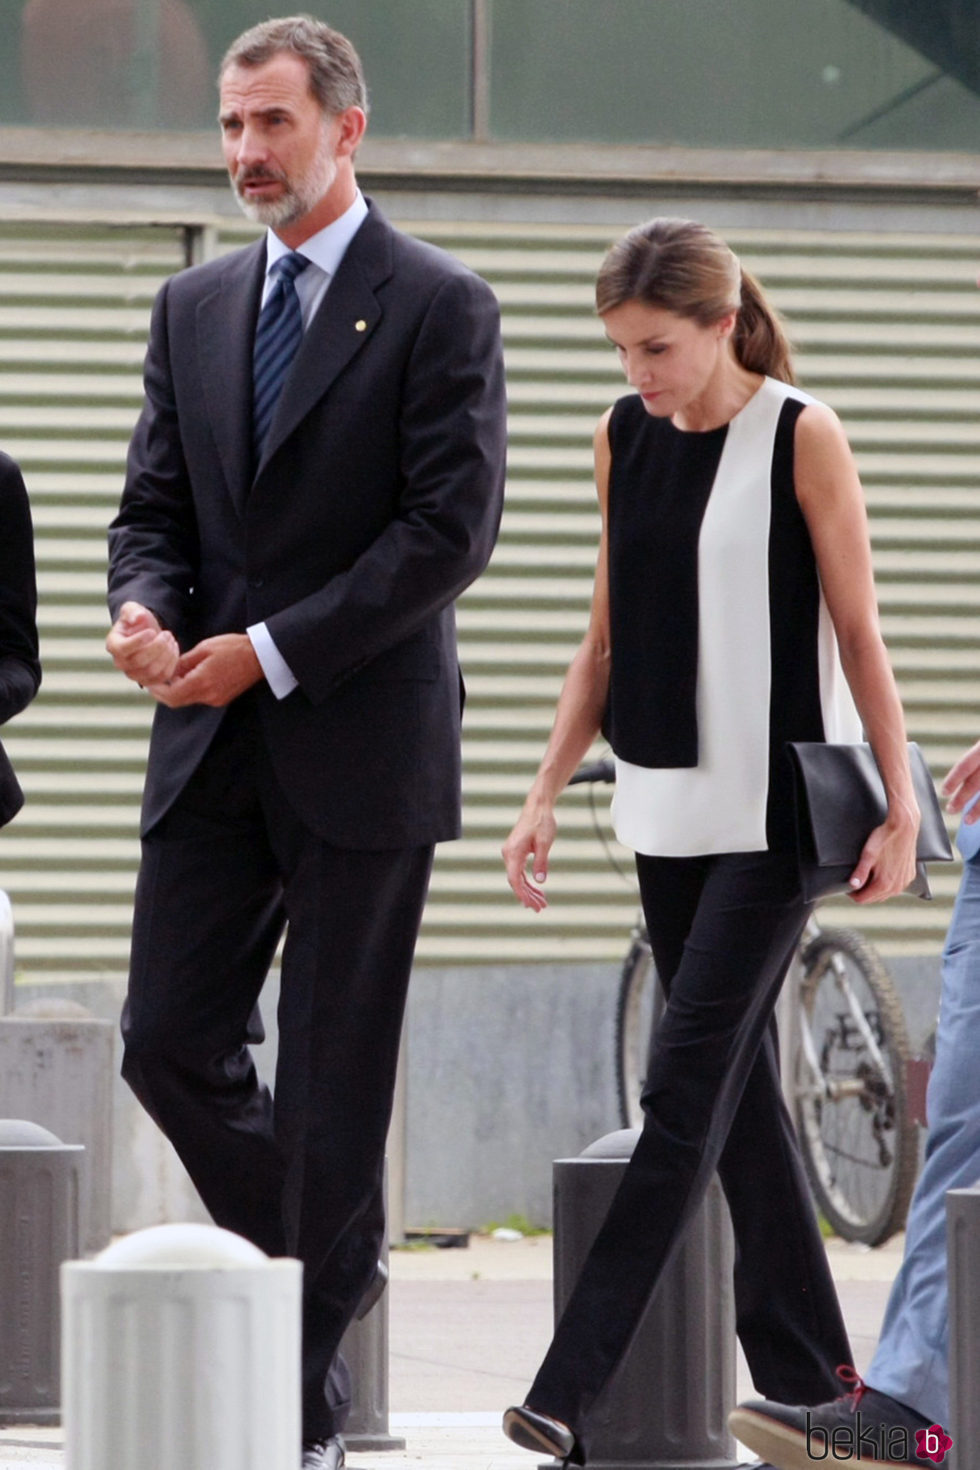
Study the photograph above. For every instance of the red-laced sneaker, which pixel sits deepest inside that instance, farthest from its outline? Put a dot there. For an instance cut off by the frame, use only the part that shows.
(862, 1424)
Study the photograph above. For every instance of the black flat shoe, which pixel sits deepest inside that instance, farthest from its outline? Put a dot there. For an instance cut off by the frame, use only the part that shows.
(534, 1431)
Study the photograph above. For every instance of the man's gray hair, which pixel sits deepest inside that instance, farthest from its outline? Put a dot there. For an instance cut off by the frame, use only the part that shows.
(336, 74)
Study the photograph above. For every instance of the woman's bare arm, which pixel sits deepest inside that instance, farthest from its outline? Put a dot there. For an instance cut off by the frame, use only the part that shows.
(577, 719)
(830, 497)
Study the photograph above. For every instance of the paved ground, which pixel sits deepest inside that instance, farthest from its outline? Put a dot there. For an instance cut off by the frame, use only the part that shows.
(467, 1328)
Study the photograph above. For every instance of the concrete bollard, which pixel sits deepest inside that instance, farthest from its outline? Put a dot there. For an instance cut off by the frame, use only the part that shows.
(56, 1068)
(963, 1265)
(667, 1406)
(182, 1352)
(40, 1181)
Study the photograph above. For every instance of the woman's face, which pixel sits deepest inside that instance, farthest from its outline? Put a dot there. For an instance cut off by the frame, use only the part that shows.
(670, 360)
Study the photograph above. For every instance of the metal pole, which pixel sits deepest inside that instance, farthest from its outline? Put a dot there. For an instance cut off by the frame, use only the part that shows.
(145, 66)
(6, 955)
(963, 1266)
(788, 1027)
(365, 1347)
(480, 111)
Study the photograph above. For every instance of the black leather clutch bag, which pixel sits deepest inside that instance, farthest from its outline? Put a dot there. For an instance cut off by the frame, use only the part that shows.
(840, 799)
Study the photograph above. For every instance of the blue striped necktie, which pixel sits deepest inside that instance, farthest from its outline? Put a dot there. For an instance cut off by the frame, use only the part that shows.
(277, 336)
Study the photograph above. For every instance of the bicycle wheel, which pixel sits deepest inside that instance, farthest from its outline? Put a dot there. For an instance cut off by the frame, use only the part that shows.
(638, 1005)
(859, 1145)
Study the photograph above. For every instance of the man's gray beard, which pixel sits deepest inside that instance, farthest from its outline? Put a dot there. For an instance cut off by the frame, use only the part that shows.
(298, 200)
(274, 214)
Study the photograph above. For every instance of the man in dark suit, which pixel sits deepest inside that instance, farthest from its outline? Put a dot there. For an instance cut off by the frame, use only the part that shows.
(20, 670)
(282, 579)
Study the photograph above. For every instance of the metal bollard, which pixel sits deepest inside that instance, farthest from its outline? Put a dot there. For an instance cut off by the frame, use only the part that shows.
(40, 1179)
(182, 1352)
(365, 1347)
(963, 1266)
(666, 1408)
(6, 954)
(56, 1068)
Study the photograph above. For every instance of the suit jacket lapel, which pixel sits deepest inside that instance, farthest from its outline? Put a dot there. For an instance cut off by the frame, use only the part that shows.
(226, 332)
(346, 319)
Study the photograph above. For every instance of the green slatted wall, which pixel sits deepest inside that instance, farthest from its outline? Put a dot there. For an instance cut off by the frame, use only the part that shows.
(887, 330)
(74, 310)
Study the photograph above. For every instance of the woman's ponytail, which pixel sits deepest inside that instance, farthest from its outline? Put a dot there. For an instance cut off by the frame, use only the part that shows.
(759, 341)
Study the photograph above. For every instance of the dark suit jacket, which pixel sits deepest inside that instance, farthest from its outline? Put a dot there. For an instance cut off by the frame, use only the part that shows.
(376, 503)
(20, 671)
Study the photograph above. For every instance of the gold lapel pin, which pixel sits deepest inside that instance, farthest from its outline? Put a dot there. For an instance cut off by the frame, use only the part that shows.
(360, 326)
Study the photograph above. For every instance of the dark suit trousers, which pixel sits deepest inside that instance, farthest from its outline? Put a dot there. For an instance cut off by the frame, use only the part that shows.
(223, 873)
(723, 931)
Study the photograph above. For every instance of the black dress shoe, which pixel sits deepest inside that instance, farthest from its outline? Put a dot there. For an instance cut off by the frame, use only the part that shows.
(534, 1431)
(324, 1454)
(374, 1292)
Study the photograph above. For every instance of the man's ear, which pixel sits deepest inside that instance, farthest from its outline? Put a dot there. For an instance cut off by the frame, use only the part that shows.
(352, 124)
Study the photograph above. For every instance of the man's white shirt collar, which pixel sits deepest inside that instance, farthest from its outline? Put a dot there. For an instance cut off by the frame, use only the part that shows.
(327, 247)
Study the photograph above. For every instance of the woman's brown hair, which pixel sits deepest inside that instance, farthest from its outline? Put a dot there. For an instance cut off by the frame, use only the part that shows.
(683, 267)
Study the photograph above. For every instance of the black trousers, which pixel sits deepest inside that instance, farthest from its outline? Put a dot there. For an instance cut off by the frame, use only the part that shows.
(723, 931)
(223, 874)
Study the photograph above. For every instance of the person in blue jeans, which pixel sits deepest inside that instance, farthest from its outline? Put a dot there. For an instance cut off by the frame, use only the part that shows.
(906, 1393)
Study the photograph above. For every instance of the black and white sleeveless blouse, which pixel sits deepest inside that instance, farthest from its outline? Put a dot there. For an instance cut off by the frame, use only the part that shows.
(722, 644)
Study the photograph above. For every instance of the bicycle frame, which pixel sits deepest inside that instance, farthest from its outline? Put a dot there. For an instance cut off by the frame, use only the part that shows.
(831, 1089)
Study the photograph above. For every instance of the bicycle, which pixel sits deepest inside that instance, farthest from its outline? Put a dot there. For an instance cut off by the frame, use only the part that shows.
(845, 1062)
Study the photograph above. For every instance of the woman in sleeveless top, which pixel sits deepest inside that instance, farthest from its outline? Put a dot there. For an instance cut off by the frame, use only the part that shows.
(734, 610)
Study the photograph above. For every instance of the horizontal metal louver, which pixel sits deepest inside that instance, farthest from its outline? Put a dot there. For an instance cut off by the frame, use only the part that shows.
(886, 329)
(74, 310)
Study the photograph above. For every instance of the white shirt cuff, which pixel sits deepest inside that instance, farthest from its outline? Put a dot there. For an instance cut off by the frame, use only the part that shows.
(279, 676)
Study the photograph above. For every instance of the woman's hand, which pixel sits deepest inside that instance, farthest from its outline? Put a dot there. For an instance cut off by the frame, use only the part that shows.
(533, 834)
(886, 866)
